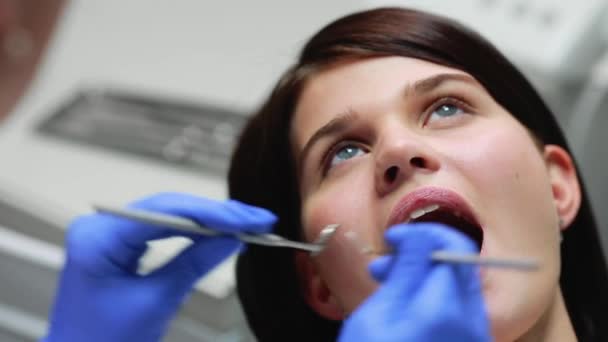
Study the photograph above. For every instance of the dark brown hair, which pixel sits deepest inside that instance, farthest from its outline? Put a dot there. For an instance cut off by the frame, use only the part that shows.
(262, 171)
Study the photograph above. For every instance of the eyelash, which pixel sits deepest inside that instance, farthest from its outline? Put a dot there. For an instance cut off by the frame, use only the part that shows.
(438, 102)
(431, 106)
(331, 152)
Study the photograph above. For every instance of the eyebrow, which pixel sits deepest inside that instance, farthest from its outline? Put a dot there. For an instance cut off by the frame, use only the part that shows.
(340, 123)
(426, 85)
(344, 120)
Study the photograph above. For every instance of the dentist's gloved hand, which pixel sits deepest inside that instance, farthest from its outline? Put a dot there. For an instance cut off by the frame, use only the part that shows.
(101, 297)
(418, 299)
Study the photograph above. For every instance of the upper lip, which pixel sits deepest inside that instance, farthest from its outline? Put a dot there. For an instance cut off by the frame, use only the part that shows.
(424, 197)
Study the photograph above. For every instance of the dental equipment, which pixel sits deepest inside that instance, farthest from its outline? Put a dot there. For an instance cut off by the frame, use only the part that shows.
(273, 240)
(457, 258)
(185, 225)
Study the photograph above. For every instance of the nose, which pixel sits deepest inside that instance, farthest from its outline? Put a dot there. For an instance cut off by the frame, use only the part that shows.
(399, 158)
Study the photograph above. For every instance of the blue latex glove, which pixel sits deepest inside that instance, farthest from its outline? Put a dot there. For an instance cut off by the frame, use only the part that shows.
(101, 297)
(421, 300)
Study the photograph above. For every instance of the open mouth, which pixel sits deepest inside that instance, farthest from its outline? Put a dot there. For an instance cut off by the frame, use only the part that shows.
(434, 204)
(452, 218)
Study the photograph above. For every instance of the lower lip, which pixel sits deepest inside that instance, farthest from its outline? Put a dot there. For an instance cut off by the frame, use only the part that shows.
(425, 196)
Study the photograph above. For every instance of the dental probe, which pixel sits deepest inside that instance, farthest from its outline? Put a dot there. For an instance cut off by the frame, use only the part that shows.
(189, 226)
(460, 258)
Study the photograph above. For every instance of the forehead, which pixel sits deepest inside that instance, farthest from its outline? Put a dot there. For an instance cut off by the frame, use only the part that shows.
(358, 85)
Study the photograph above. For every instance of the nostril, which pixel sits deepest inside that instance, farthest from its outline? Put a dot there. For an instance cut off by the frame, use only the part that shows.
(391, 174)
(418, 162)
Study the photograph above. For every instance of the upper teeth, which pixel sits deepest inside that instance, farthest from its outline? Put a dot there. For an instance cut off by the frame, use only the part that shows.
(419, 212)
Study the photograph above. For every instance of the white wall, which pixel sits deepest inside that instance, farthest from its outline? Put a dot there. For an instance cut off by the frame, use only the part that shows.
(224, 52)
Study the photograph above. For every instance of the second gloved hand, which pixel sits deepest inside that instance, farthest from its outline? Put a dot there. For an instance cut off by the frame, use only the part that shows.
(101, 297)
(419, 299)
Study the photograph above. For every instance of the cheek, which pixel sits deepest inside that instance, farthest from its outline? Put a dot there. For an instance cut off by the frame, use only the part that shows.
(342, 265)
(344, 200)
(506, 175)
(509, 179)
(507, 167)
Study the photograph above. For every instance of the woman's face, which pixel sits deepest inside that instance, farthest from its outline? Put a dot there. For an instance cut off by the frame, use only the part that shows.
(377, 139)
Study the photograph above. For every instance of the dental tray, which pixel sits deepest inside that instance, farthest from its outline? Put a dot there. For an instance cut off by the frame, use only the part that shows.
(182, 134)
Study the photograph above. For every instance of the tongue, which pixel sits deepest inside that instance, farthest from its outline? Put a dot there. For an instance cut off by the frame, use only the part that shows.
(472, 231)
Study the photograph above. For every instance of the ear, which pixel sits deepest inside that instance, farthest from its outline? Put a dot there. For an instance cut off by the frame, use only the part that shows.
(315, 291)
(564, 183)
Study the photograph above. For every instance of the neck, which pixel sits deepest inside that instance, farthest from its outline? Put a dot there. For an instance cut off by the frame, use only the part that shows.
(554, 325)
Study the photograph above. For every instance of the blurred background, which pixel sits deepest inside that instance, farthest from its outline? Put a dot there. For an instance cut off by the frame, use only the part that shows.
(132, 97)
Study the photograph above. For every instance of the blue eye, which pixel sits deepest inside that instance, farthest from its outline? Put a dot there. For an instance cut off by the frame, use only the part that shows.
(344, 153)
(446, 110)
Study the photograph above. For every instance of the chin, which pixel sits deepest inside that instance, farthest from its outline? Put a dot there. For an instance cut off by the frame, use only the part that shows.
(511, 316)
